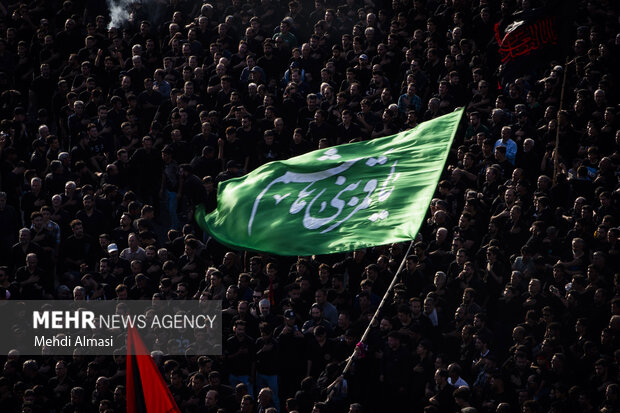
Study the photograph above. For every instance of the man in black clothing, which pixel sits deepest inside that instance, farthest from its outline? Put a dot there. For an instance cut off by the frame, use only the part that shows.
(177, 388)
(120, 233)
(181, 150)
(34, 199)
(418, 318)
(76, 251)
(239, 354)
(207, 163)
(78, 401)
(105, 129)
(146, 168)
(93, 220)
(290, 340)
(9, 222)
(443, 398)
(255, 99)
(81, 151)
(105, 275)
(347, 129)
(137, 73)
(267, 361)
(269, 62)
(206, 137)
(231, 148)
(319, 129)
(60, 385)
(396, 368)
(33, 283)
(42, 88)
(120, 267)
(77, 123)
(44, 237)
(24, 247)
(305, 115)
(412, 278)
(191, 192)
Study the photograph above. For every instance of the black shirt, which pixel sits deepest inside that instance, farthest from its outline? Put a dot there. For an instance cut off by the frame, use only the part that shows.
(78, 249)
(206, 166)
(94, 224)
(239, 364)
(235, 151)
(267, 362)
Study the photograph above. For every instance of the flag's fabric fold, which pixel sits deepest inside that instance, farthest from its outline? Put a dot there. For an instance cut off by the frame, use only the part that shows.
(336, 199)
(147, 391)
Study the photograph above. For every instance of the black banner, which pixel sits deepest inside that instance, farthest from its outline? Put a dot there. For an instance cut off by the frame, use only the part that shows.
(526, 41)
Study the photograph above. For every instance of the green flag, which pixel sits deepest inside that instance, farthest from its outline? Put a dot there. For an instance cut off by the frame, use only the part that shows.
(337, 199)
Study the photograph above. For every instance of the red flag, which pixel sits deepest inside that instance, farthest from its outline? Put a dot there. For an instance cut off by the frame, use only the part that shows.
(147, 391)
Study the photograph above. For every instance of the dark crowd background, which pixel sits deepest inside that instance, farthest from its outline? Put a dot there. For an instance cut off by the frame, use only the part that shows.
(509, 301)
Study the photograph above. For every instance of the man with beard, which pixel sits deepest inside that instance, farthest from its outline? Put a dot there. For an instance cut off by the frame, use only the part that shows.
(92, 219)
(316, 320)
(77, 251)
(266, 315)
(239, 354)
(105, 275)
(329, 310)
(120, 233)
(269, 62)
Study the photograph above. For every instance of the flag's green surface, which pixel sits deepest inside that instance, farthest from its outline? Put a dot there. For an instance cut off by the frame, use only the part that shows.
(337, 199)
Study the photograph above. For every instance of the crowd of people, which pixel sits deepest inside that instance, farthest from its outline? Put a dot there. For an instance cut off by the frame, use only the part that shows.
(112, 133)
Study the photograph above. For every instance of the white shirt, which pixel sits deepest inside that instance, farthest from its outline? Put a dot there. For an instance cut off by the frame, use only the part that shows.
(458, 383)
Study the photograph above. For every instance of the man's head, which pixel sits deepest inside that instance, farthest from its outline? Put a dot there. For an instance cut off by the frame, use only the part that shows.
(32, 261)
(394, 340)
(89, 202)
(315, 312)
(265, 396)
(264, 307)
(320, 297)
(132, 241)
(77, 228)
(211, 399)
(415, 304)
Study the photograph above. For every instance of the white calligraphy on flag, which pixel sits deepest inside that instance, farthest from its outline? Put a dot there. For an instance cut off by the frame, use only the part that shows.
(303, 201)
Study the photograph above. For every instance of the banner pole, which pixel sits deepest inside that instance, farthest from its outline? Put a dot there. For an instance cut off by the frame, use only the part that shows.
(376, 314)
(556, 161)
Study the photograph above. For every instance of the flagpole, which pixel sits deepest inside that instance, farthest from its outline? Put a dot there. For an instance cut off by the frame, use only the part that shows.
(557, 128)
(376, 314)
